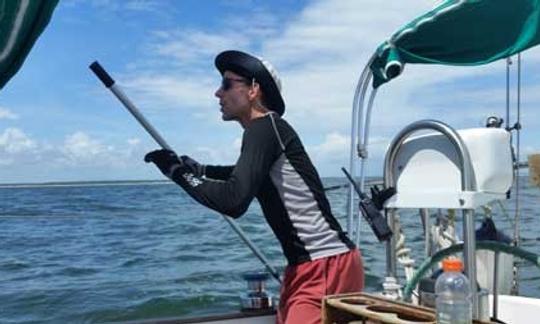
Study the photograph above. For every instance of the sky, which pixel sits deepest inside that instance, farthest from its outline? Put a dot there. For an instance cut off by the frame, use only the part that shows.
(59, 123)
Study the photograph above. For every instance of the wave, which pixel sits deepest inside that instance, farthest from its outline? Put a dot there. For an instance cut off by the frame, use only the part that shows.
(78, 271)
(158, 307)
(14, 265)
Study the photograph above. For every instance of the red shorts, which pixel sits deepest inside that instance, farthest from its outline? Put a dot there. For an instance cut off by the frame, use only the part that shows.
(306, 284)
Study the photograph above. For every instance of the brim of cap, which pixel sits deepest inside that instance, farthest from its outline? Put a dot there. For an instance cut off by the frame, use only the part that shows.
(251, 67)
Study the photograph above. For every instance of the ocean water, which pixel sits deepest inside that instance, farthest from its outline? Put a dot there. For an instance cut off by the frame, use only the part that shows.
(94, 254)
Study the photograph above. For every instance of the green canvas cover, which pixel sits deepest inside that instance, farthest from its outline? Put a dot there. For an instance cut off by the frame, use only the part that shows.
(21, 23)
(460, 32)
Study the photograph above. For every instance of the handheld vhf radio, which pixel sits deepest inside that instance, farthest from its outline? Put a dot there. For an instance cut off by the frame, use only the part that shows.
(372, 211)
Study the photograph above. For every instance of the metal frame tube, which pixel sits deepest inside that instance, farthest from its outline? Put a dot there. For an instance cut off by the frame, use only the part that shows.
(361, 152)
(362, 147)
(469, 257)
(426, 222)
(508, 63)
(352, 170)
(115, 89)
(391, 258)
(357, 112)
(496, 285)
(364, 143)
(467, 184)
(517, 173)
(467, 180)
(352, 164)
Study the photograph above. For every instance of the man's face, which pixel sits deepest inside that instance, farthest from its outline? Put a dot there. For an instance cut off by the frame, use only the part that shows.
(233, 96)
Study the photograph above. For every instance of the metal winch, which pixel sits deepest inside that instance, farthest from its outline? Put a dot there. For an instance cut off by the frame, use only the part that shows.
(256, 297)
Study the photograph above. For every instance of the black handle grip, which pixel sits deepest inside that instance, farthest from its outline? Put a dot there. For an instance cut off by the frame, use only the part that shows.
(102, 74)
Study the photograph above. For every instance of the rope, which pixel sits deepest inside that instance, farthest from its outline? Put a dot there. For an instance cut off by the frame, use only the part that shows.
(403, 254)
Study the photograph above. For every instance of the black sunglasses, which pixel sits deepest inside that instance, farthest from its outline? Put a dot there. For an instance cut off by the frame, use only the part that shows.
(227, 83)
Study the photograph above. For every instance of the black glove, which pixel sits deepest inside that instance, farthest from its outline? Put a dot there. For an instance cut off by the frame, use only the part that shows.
(195, 167)
(379, 197)
(166, 160)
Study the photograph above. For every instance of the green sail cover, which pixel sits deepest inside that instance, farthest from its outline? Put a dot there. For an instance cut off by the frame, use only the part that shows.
(21, 23)
(460, 32)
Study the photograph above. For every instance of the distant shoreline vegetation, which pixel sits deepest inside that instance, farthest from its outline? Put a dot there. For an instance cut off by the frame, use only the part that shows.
(83, 183)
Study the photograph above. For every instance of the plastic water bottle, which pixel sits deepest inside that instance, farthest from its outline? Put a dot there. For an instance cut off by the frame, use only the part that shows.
(453, 295)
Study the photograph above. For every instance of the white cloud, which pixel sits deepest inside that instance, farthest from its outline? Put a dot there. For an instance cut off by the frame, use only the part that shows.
(177, 69)
(262, 24)
(17, 149)
(116, 6)
(333, 143)
(134, 141)
(14, 140)
(334, 151)
(187, 47)
(143, 5)
(79, 157)
(170, 91)
(218, 155)
(528, 150)
(237, 144)
(80, 148)
(330, 155)
(331, 31)
(7, 114)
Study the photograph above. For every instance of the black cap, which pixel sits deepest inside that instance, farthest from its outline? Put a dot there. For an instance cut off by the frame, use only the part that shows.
(251, 67)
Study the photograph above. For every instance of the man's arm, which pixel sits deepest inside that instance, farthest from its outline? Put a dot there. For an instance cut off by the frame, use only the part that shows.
(215, 172)
(218, 172)
(232, 197)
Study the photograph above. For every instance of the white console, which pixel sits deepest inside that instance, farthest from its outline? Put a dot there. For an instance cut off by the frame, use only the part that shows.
(427, 170)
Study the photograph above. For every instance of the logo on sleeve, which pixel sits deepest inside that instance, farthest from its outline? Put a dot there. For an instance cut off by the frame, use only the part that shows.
(192, 179)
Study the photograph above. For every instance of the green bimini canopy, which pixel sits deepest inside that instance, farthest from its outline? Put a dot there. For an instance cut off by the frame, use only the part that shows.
(21, 23)
(460, 32)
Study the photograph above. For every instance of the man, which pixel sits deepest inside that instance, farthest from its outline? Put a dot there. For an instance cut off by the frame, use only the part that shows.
(274, 168)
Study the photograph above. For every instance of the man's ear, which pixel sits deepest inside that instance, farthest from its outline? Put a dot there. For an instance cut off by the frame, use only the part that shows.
(254, 91)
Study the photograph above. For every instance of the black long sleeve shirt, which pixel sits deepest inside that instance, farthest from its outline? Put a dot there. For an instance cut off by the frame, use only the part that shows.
(274, 168)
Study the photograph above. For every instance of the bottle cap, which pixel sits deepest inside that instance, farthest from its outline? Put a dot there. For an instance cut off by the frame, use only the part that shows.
(452, 264)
